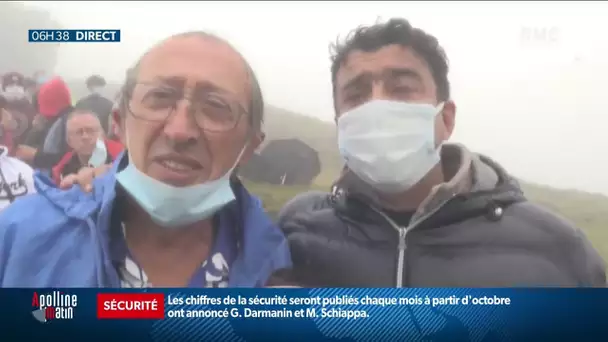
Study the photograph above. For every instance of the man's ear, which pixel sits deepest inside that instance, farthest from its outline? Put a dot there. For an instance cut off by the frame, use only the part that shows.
(261, 137)
(254, 143)
(448, 118)
(116, 125)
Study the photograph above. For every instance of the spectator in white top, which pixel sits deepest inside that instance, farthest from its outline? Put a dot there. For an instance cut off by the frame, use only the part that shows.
(16, 179)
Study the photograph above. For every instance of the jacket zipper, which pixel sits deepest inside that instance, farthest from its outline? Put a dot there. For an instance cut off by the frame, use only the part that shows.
(402, 231)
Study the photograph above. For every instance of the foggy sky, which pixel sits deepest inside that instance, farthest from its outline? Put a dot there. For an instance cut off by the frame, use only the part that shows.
(534, 102)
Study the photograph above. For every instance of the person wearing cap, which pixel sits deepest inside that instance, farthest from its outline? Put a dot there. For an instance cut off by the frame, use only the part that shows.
(18, 103)
(54, 102)
(95, 102)
(13, 86)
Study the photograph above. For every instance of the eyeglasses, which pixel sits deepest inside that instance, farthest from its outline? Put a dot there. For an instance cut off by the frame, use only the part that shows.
(212, 111)
(84, 131)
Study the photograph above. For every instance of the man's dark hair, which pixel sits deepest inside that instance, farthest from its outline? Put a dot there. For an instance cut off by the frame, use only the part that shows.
(95, 81)
(400, 32)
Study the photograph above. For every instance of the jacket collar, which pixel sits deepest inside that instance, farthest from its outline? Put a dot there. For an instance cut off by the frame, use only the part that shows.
(262, 247)
(456, 162)
(467, 174)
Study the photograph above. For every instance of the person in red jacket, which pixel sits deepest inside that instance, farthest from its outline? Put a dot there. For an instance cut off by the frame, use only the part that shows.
(87, 144)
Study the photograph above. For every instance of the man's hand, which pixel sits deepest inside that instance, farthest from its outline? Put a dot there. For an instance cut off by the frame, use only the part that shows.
(84, 177)
(25, 153)
(8, 122)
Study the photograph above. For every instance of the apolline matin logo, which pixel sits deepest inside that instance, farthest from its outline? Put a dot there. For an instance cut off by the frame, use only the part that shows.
(53, 306)
(73, 36)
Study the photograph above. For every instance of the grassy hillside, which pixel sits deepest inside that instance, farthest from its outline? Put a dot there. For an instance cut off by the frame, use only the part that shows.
(588, 211)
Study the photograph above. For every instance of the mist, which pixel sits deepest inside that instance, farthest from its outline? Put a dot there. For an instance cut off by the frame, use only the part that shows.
(529, 78)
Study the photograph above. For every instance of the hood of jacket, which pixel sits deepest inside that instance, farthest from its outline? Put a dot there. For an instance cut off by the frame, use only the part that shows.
(53, 98)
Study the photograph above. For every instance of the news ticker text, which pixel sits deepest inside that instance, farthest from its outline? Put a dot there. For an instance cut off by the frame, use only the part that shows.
(159, 306)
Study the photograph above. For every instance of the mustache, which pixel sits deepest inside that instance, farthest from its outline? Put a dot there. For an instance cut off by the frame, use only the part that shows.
(188, 149)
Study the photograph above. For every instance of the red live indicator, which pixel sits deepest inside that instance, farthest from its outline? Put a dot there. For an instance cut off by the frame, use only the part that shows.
(130, 306)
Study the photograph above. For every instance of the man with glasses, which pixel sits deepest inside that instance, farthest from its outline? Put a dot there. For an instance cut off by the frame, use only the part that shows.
(88, 148)
(169, 212)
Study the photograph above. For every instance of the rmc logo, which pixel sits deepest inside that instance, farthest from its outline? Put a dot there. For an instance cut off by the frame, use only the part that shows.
(539, 35)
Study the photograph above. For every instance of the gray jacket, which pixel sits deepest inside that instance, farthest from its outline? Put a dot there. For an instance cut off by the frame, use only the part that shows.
(55, 141)
(475, 230)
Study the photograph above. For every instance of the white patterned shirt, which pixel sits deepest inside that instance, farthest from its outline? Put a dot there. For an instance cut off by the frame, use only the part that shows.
(216, 275)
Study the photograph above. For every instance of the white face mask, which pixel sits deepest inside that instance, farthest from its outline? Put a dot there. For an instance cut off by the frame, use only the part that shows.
(14, 92)
(174, 207)
(99, 155)
(389, 144)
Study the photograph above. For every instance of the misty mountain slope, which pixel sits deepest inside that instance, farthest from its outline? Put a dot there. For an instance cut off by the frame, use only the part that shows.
(281, 124)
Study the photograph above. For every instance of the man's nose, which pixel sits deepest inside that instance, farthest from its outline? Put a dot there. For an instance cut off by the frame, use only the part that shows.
(378, 92)
(181, 125)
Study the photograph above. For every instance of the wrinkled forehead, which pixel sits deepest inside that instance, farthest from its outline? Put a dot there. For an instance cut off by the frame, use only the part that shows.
(82, 120)
(189, 62)
(392, 62)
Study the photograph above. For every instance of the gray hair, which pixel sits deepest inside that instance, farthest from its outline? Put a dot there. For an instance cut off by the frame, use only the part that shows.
(256, 104)
(79, 112)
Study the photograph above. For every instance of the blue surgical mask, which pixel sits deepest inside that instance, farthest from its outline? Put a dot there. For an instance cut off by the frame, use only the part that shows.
(99, 155)
(389, 144)
(174, 207)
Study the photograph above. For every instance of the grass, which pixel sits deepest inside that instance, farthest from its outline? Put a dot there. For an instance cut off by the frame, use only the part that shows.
(275, 196)
(587, 211)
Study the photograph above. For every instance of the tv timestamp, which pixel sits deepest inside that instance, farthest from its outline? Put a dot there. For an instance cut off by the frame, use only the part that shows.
(65, 36)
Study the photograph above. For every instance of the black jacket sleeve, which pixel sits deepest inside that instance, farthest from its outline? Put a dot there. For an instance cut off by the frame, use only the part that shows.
(46, 161)
(586, 261)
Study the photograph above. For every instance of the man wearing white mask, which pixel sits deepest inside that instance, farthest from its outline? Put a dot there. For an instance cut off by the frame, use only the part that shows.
(18, 104)
(411, 210)
(170, 212)
(88, 147)
(13, 86)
